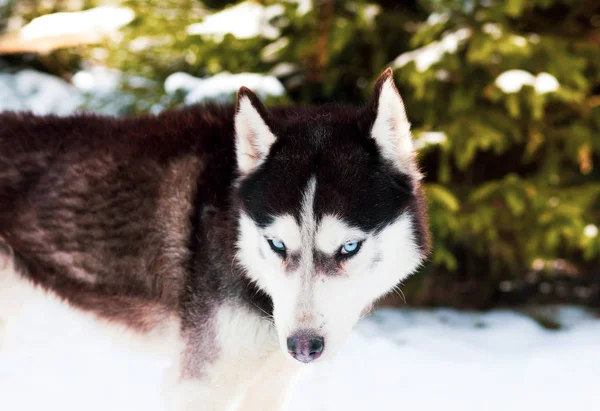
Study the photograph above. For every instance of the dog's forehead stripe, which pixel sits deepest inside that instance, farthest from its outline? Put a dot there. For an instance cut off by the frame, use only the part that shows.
(308, 224)
(307, 210)
(310, 233)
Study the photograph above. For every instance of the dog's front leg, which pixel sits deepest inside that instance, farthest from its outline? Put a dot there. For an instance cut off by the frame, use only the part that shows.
(272, 386)
(195, 395)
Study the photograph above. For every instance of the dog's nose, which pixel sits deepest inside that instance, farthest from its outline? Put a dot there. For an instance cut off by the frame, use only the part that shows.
(305, 348)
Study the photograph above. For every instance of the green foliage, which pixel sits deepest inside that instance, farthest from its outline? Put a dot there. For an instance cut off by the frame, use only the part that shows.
(333, 50)
(539, 189)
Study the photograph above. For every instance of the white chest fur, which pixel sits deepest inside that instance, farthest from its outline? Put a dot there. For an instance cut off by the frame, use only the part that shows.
(249, 372)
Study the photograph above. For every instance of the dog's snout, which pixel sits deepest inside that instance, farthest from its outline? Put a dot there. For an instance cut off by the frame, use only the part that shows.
(305, 347)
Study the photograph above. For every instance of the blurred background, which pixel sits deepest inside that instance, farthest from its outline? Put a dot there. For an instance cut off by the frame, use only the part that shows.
(504, 98)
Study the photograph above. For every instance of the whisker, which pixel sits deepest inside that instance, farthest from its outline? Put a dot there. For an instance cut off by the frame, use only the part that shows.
(398, 291)
(264, 312)
(232, 263)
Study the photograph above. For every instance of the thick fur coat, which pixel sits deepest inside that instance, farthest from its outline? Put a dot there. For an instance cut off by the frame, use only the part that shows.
(166, 225)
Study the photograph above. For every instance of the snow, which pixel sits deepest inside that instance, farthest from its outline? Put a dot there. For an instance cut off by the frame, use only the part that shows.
(304, 6)
(447, 360)
(223, 86)
(100, 20)
(271, 52)
(590, 230)
(101, 80)
(427, 138)
(40, 93)
(97, 79)
(425, 360)
(245, 20)
(102, 87)
(98, 89)
(546, 83)
(438, 18)
(432, 53)
(512, 81)
(493, 30)
(518, 40)
(284, 69)
(95, 89)
(370, 12)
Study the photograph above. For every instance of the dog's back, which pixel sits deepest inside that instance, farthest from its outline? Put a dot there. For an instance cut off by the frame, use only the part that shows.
(98, 209)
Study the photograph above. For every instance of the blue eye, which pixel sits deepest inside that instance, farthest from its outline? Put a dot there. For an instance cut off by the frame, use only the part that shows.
(276, 246)
(350, 248)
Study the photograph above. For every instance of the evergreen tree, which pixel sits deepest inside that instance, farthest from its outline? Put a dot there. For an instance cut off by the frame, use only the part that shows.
(516, 181)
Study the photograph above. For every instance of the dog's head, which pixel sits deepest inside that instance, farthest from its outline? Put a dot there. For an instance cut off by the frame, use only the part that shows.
(332, 214)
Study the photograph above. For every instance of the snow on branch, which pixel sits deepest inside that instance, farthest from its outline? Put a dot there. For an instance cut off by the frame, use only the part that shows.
(66, 29)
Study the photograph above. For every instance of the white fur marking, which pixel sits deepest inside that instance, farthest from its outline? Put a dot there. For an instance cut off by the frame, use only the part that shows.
(391, 128)
(253, 136)
(333, 233)
(286, 229)
(308, 226)
(304, 296)
(248, 353)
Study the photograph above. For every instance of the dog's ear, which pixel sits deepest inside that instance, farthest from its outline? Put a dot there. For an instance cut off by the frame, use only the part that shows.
(391, 129)
(253, 137)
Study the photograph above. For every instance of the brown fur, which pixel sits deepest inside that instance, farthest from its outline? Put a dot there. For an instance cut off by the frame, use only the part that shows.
(98, 209)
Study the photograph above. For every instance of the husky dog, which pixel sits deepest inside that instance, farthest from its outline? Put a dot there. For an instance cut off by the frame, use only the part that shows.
(245, 241)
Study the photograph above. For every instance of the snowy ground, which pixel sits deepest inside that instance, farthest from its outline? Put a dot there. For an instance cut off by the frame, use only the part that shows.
(395, 360)
(445, 360)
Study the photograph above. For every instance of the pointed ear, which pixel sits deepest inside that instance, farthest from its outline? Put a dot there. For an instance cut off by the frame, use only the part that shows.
(391, 129)
(253, 138)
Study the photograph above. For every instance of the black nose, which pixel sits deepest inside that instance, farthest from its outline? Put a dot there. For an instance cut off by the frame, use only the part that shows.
(305, 347)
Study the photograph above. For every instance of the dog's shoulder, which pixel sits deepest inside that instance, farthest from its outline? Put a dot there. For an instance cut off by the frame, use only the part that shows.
(99, 208)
